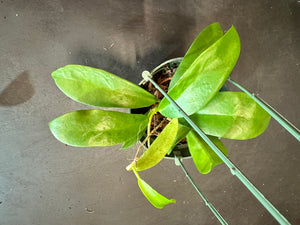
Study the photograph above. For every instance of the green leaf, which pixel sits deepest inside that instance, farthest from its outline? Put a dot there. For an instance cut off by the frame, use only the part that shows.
(205, 39)
(232, 115)
(156, 199)
(131, 142)
(97, 87)
(204, 157)
(159, 148)
(85, 128)
(181, 134)
(205, 77)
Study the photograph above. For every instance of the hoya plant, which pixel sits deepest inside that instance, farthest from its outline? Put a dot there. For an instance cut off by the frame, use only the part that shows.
(195, 86)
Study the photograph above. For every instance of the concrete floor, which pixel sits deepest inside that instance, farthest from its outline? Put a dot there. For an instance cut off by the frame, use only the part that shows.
(42, 181)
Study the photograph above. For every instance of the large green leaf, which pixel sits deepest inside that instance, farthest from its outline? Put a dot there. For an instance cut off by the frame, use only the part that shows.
(85, 128)
(159, 148)
(232, 115)
(156, 199)
(97, 87)
(203, 156)
(205, 77)
(205, 39)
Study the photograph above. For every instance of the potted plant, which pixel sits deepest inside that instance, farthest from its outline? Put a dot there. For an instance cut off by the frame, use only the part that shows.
(194, 85)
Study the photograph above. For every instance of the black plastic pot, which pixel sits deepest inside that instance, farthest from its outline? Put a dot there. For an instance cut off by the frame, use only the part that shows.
(182, 148)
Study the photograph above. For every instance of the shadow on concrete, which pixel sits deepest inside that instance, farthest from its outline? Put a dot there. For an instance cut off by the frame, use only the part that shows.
(165, 31)
(18, 91)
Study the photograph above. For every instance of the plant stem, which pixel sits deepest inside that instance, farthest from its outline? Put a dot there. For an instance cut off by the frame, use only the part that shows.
(145, 140)
(135, 172)
(152, 113)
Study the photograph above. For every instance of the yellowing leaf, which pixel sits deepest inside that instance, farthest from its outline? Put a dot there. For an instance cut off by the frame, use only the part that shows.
(156, 199)
(159, 148)
(232, 115)
(85, 128)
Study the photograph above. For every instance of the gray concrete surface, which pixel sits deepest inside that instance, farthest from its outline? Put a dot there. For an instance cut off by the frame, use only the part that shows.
(42, 181)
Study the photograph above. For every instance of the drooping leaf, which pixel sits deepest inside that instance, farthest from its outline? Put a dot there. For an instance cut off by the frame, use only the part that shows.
(232, 115)
(205, 77)
(156, 199)
(85, 128)
(205, 39)
(203, 156)
(97, 87)
(159, 148)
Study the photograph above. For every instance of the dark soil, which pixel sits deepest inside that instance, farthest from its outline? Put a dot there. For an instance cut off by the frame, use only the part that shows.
(163, 79)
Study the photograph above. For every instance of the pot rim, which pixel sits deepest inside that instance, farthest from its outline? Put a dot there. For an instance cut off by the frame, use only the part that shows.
(161, 66)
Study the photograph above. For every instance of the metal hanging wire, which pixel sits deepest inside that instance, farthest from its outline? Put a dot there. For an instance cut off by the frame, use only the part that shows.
(178, 162)
(276, 115)
(234, 169)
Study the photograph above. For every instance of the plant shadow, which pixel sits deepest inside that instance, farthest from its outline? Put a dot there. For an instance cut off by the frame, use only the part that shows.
(142, 41)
